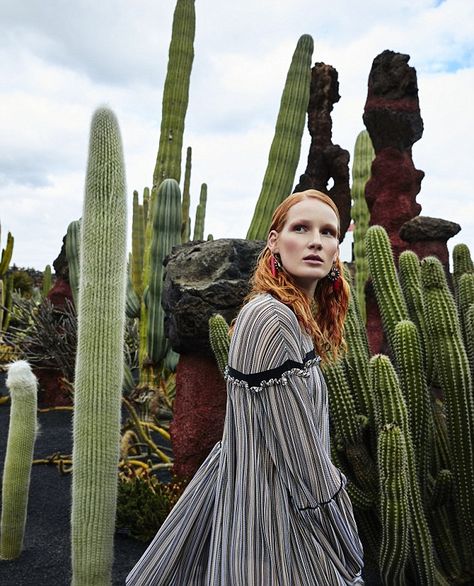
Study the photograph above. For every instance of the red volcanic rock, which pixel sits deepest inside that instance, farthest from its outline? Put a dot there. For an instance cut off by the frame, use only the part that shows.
(198, 412)
(60, 291)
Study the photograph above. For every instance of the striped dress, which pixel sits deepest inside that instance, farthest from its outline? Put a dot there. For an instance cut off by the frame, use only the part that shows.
(267, 507)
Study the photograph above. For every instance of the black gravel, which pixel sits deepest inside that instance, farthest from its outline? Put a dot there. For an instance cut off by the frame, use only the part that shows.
(45, 559)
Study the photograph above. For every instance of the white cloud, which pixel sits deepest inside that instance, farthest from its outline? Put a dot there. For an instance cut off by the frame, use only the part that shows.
(62, 60)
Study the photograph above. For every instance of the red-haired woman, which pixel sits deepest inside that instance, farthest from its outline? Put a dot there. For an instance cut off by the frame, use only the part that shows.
(268, 507)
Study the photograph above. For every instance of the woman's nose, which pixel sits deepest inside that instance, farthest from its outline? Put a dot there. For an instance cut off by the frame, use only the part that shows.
(316, 241)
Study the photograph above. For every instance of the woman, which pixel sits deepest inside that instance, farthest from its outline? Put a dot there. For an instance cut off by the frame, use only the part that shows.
(268, 507)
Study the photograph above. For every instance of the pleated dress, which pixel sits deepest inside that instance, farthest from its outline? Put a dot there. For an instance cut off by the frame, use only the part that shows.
(267, 507)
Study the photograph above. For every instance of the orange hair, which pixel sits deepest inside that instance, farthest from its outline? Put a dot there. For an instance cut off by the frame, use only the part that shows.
(322, 317)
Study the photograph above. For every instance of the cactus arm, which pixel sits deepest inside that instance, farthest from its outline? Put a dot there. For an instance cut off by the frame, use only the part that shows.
(47, 280)
(19, 457)
(200, 214)
(286, 145)
(73, 237)
(186, 197)
(7, 253)
(363, 156)
(99, 360)
(219, 339)
(138, 245)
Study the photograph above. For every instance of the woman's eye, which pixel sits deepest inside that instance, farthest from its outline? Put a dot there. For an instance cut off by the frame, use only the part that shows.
(300, 228)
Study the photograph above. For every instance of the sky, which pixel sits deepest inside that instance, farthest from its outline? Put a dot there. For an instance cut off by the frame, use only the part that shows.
(60, 60)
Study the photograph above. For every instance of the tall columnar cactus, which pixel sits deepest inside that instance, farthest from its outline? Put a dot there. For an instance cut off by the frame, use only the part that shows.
(19, 457)
(47, 280)
(388, 292)
(462, 263)
(286, 145)
(394, 506)
(6, 283)
(391, 408)
(138, 245)
(200, 214)
(99, 360)
(185, 222)
(465, 299)
(219, 339)
(364, 154)
(7, 253)
(454, 377)
(176, 94)
(166, 222)
(73, 238)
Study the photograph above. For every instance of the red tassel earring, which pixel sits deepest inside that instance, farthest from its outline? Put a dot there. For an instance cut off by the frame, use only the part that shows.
(275, 265)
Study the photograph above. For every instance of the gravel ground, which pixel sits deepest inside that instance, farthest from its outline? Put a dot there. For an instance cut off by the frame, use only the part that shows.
(45, 559)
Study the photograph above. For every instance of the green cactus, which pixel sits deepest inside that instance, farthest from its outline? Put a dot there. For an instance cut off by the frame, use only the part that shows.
(465, 299)
(6, 284)
(73, 237)
(364, 154)
(7, 253)
(388, 292)
(394, 506)
(462, 263)
(200, 214)
(19, 457)
(409, 361)
(166, 222)
(455, 380)
(175, 94)
(391, 409)
(138, 245)
(47, 280)
(219, 339)
(99, 360)
(185, 222)
(286, 145)
(146, 205)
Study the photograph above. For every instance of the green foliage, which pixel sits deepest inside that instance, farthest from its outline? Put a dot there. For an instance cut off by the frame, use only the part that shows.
(144, 503)
(22, 282)
(286, 145)
(363, 156)
(19, 457)
(99, 362)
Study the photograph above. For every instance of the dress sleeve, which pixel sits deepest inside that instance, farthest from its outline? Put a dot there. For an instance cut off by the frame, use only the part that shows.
(267, 360)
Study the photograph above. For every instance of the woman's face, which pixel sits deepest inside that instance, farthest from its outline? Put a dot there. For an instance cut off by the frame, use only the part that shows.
(308, 243)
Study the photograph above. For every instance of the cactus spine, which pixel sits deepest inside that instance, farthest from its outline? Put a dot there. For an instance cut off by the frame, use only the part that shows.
(200, 214)
(19, 457)
(99, 360)
(166, 223)
(176, 94)
(286, 145)
(363, 156)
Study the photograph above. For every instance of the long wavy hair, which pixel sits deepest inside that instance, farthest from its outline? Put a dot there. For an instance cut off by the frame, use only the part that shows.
(323, 316)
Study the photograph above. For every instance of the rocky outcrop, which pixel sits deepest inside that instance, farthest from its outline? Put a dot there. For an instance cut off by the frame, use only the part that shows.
(326, 161)
(202, 278)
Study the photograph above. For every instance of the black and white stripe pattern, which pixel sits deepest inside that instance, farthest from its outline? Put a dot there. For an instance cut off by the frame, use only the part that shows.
(267, 507)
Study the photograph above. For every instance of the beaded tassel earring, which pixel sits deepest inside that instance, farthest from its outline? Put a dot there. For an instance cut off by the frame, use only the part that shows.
(334, 276)
(275, 265)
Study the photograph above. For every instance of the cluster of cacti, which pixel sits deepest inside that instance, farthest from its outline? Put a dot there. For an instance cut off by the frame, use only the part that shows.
(18, 459)
(363, 156)
(403, 426)
(286, 145)
(6, 284)
(99, 359)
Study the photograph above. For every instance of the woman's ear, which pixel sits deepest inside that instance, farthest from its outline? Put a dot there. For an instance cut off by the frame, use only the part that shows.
(272, 240)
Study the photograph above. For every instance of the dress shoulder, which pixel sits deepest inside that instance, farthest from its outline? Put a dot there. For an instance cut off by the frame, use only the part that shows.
(267, 343)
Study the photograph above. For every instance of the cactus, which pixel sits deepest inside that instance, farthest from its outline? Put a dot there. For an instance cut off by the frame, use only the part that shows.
(73, 237)
(47, 280)
(19, 457)
(200, 214)
(185, 222)
(175, 94)
(455, 379)
(219, 339)
(166, 223)
(465, 299)
(6, 284)
(363, 156)
(99, 360)
(286, 145)
(394, 506)
(388, 292)
(138, 245)
(7, 253)
(462, 263)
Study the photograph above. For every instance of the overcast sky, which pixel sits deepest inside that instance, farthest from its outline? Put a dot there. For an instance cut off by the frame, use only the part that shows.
(59, 60)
